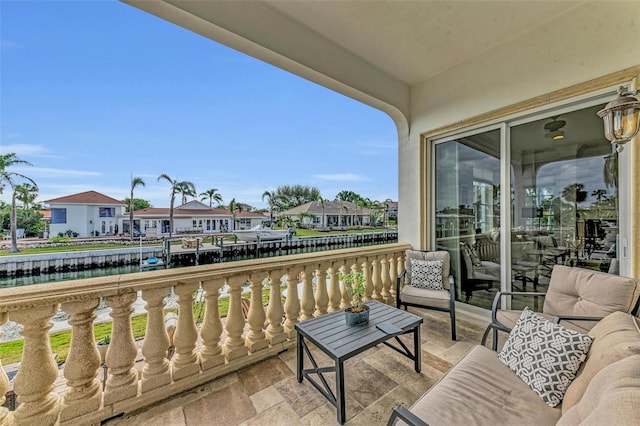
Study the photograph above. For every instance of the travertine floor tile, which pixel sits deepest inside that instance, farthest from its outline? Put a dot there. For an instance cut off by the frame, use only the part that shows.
(228, 406)
(266, 398)
(280, 414)
(263, 375)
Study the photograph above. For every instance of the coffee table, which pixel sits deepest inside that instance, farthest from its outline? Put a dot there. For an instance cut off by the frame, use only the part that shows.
(334, 337)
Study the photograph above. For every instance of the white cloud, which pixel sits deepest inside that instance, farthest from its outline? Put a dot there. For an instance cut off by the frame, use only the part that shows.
(342, 177)
(48, 172)
(28, 150)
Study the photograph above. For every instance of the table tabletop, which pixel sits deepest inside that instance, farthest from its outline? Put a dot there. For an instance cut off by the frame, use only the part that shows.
(332, 335)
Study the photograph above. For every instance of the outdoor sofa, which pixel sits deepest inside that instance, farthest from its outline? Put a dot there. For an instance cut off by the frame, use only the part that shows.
(482, 390)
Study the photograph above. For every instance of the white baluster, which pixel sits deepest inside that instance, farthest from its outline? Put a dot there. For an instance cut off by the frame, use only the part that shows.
(307, 302)
(275, 311)
(256, 338)
(393, 274)
(156, 372)
(384, 272)
(234, 346)
(334, 289)
(5, 416)
(322, 298)
(85, 392)
(122, 382)
(368, 282)
(38, 371)
(345, 301)
(185, 361)
(375, 279)
(291, 304)
(211, 354)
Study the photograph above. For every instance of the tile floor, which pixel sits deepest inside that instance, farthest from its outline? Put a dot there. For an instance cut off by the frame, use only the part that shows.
(268, 394)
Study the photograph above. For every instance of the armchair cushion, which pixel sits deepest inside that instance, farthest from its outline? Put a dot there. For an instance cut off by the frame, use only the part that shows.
(544, 355)
(425, 297)
(426, 274)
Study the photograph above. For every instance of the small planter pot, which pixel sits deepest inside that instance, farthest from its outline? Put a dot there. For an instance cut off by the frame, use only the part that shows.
(356, 318)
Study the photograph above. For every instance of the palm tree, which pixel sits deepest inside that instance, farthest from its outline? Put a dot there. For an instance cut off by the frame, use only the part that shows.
(27, 193)
(599, 194)
(187, 189)
(271, 196)
(7, 177)
(360, 203)
(346, 209)
(234, 208)
(135, 182)
(176, 187)
(322, 201)
(213, 195)
(386, 209)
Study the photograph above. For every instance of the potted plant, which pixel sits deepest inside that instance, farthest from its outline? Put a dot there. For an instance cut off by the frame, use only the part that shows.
(103, 345)
(358, 312)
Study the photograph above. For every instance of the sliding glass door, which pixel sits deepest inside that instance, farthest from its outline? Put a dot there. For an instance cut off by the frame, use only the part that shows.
(562, 202)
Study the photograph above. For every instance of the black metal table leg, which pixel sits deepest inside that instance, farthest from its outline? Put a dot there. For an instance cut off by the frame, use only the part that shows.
(417, 348)
(340, 396)
(299, 359)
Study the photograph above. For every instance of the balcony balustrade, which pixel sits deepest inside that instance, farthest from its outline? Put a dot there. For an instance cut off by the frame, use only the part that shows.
(201, 352)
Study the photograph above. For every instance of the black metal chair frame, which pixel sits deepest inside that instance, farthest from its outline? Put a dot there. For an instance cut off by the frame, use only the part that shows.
(452, 301)
(400, 412)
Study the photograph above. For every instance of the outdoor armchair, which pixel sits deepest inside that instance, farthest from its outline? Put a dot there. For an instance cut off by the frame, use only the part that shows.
(410, 292)
(476, 271)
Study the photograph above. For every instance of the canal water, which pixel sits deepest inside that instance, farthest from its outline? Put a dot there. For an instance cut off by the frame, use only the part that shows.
(188, 259)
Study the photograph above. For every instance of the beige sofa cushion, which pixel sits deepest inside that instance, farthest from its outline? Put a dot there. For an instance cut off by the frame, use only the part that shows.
(481, 390)
(612, 398)
(430, 255)
(574, 291)
(615, 337)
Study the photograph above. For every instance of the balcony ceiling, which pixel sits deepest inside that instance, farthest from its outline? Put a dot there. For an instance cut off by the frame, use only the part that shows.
(415, 40)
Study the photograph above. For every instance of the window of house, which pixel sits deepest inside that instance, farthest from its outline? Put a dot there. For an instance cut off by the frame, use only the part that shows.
(58, 215)
(107, 212)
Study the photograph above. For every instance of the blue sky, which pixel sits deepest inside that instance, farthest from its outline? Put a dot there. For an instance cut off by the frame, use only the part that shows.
(92, 92)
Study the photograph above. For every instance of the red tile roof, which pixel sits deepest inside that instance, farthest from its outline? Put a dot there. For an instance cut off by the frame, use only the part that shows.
(89, 197)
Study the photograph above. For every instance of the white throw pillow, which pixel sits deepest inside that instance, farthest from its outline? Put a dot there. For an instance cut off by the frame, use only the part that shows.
(426, 274)
(546, 356)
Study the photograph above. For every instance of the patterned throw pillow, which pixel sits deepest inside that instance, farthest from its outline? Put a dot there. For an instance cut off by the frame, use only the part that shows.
(426, 274)
(546, 356)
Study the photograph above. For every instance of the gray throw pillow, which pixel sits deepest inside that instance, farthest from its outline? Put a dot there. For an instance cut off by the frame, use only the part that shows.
(426, 274)
(546, 356)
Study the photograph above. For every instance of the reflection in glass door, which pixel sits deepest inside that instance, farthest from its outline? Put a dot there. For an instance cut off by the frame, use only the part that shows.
(565, 198)
(467, 198)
